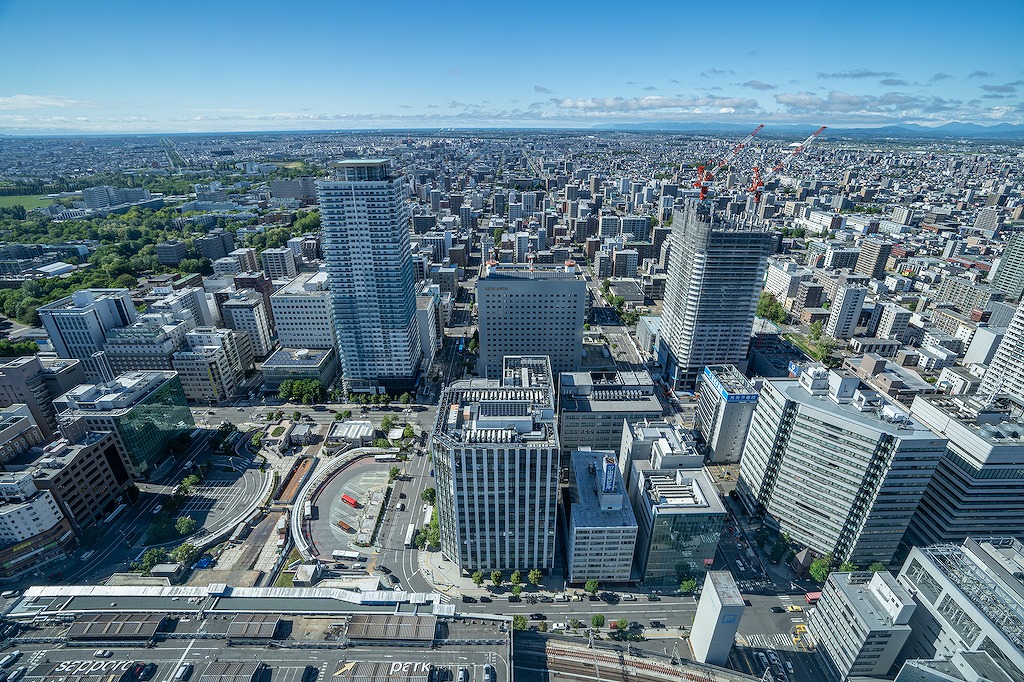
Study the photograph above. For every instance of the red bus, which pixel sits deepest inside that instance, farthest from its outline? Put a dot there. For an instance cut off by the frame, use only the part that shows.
(812, 597)
(350, 501)
(345, 527)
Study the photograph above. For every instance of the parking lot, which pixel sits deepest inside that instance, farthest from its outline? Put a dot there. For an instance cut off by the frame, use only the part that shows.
(361, 481)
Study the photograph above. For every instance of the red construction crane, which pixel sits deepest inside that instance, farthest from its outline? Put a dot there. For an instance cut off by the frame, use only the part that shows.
(759, 180)
(704, 176)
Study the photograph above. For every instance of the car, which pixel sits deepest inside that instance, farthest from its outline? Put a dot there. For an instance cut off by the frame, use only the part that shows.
(789, 667)
(794, 608)
(394, 579)
(136, 670)
(156, 509)
(463, 674)
(762, 659)
(384, 569)
(537, 616)
(778, 609)
(490, 674)
(653, 597)
(485, 599)
(468, 599)
(657, 624)
(610, 597)
(103, 653)
(401, 496)
(514, 598)
(774, 658)
(594, 597)
(546, 599)
(628, 597)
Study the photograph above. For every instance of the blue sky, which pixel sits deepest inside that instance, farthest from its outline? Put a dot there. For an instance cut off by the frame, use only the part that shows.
(184, 66)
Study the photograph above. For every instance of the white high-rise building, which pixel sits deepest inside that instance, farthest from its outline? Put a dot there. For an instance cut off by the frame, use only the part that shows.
(840, 468)
(715, 275)
(717, 618)
(1005, 375)
(977, 489)
(77, 324)
(302, 312)
(601, 529)
(970, 608)
(246, 311)
(894, 322)
(531, 310)
(279, 263)
(496, 456)
(845, 312)
(724, 409)
(861, 623)
(367, 250)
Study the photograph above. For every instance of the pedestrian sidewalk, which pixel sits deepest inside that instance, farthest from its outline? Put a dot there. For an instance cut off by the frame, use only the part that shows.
(444, 576)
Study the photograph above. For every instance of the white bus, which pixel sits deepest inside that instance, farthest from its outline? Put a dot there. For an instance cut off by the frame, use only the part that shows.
(410, 536)
(340, 554)
(114, 514)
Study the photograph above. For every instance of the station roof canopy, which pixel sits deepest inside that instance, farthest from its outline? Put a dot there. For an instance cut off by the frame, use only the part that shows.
(128, 626)
(402, 628)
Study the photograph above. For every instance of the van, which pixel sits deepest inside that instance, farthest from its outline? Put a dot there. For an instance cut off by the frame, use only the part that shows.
(184, 672)
(561, 597)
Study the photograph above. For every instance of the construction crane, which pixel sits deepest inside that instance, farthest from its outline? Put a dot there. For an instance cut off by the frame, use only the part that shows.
(759, 180)
(704, 175)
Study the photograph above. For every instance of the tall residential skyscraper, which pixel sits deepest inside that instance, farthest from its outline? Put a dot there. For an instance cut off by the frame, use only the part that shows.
(1005, 374)
(714, 280)
(1009, 277)
(837, 466)
(842, 319)
(872, 258)
(367, 250)
(495, 451)
(531, 310)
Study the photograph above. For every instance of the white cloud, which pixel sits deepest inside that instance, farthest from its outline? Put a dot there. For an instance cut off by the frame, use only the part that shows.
(16, 102)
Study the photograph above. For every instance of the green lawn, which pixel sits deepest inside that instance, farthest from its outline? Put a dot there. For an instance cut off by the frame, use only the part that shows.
(29, 201)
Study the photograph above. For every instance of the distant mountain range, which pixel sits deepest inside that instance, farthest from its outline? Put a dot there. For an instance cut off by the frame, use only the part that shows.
(1008, 131)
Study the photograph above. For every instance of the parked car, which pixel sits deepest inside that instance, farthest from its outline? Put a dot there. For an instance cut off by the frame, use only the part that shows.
(537, 616)
(778, 609)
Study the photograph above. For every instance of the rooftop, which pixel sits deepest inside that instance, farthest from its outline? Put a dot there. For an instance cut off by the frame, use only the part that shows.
(991, 423)
(599, 499)
(122, 393)
(518, 409)
(681, 491)
(725, 587)
(297, 357)
(877, 598)
(728, 380)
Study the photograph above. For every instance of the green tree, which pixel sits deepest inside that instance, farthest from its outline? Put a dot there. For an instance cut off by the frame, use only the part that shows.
(257, 439)
(497, 578)
(405, 398)
(429, 495)
(606, 284)
(622, 623)
(393, 473)
(847, 567)
(823, 350)
(769, 308)
(535, 576)
(877, 567)
(184, 553)
(516, 578)
(688, 585)
(597, 621)
(821, 567)
(345, 414)
(408, 431)
(296, 416)
(591, 586)
(152, 557)
(575, 623)
(185, 525)
(816, 329)
(517, 590)
(478, 578)
(518, 622)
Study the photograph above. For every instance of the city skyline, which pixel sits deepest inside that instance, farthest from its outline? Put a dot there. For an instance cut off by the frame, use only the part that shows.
(232, 67)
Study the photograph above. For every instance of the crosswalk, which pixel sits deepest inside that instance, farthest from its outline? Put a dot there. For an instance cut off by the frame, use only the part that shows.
(775, 640)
